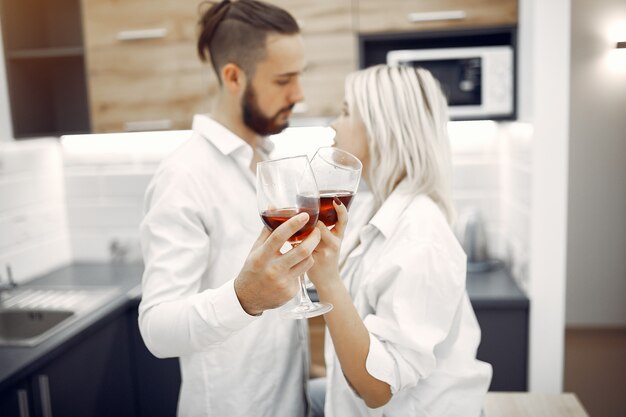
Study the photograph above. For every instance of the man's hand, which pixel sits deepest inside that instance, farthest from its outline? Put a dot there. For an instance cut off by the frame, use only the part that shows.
(268, 278)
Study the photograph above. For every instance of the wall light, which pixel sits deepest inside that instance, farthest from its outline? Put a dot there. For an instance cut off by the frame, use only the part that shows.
(621, 44)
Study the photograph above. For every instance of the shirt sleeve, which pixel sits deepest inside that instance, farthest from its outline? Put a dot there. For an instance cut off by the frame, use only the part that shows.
(175, 318)
(416, 294)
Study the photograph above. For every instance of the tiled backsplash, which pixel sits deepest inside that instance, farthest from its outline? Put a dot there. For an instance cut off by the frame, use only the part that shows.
(106, 177)
(105, 182)
(34, 236)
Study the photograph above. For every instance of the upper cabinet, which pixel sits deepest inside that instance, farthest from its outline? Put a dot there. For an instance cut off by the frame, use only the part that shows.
(43, 51)
(409, 15)
(330, 50)
(111, 65)
(142, 66)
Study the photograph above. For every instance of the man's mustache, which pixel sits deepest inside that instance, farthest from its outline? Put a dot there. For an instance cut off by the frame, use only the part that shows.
(285, 109)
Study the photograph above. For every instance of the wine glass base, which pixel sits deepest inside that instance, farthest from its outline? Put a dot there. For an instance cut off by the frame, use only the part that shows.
(306, 311)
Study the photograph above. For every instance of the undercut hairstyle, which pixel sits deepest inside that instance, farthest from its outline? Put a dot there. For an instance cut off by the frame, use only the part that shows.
(405, 115)
(236, 32)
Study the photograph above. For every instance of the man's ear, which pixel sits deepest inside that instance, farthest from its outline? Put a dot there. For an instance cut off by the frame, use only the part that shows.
(233, 77)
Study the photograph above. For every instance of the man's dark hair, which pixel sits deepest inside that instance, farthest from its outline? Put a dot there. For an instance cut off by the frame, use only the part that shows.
(236, 31)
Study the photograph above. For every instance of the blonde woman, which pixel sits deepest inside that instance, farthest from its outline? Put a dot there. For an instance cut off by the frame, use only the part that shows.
(403, 335)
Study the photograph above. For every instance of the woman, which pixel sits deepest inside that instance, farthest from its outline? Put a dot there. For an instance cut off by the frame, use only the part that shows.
(403, 335)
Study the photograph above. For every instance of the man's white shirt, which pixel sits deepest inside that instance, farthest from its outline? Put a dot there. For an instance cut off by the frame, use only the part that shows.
(200, 223)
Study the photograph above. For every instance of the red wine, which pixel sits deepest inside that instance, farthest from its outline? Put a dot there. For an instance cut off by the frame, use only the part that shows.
(274, 218)
(328, 215)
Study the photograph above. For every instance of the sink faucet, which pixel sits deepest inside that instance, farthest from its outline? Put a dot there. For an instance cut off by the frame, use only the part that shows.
(10, 284)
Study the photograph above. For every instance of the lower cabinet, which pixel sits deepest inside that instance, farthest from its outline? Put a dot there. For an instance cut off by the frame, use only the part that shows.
(107, 372)
(16, 401)
(504, 344)
(90, 378)
(157, 380)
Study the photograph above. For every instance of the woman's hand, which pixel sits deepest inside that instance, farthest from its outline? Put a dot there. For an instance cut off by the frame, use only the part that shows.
(325, 271)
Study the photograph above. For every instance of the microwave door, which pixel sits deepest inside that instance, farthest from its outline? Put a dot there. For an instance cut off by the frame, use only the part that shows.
(460, 79)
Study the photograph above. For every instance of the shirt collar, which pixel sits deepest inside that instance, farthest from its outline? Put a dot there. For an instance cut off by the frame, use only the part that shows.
(224, 140)
(386, 218)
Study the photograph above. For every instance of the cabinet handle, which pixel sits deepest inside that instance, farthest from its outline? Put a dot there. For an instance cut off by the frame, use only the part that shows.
(143, 125)
(141, 34)
(44, 396)
(22, 402)
(434, 16)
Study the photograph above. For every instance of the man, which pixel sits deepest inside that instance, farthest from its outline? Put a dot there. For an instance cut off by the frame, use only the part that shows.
(208, 298)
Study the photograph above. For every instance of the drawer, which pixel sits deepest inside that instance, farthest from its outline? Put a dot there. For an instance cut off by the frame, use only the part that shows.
(149, 102)
(113, 22)
(410, 15)
(319, 16)
(134, 61)
(331, 57)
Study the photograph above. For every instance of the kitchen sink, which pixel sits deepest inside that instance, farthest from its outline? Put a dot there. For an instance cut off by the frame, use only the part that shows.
(18, 325)
(28, 316)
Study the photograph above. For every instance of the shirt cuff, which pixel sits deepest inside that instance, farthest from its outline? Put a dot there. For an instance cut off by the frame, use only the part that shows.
(381, 365)
(227, 307)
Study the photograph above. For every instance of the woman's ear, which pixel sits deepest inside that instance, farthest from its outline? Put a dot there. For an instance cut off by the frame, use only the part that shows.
(233, 77)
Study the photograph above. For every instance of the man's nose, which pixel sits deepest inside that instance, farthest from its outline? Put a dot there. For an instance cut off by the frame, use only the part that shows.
(297, 94)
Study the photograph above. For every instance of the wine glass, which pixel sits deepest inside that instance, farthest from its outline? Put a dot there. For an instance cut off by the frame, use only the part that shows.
(285, 188)
(337, 174)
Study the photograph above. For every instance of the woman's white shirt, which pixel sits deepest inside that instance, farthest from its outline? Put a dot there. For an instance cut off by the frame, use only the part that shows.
(200, 223)
(406, 277)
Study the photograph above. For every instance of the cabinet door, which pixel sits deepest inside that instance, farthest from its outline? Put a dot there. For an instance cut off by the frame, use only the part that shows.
(142, 67)
(91, 378)
(504, 344)
(409, 15)
(330, 51)
(158, 380)
(16, 401)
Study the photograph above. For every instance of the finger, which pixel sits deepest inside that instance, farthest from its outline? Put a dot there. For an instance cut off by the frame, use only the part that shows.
(303, 250)
(265, 233)
(325, 232)
(302, 267)
(283, 232)
(342, 218)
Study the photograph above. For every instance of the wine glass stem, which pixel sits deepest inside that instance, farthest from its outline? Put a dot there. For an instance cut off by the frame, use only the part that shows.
(304, 295)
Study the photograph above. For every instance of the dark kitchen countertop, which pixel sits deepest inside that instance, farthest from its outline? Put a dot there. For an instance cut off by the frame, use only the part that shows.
(490, 289)
(494, 289)
(17, 361)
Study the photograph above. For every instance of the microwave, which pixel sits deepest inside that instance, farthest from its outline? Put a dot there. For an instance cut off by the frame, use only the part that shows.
(477, 81)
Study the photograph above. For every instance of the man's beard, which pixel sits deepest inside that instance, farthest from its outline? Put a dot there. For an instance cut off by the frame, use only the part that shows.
(254, 118)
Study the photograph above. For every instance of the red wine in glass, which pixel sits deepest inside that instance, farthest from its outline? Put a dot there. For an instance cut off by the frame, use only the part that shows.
(327, 214)
(274, 218)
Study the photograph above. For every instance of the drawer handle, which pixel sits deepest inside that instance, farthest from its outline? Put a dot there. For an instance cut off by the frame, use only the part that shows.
(142, 125)
(141, 34)
(44, 396)
(435, 16)
(22, 402)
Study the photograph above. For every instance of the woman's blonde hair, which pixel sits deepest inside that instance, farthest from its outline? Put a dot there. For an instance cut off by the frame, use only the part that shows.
(405, 115)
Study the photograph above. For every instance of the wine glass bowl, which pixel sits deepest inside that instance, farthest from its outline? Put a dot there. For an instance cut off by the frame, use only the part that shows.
(337, 174)
(285, 188)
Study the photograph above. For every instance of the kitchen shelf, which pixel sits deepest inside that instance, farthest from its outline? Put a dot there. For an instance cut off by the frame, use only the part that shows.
(60, 52)
(45, 67)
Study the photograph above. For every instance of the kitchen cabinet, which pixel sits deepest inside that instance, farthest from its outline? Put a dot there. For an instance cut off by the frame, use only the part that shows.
(44, 58)
(411, 15)
(157, 380)
(142, 66)
(330, 50)
(16, 401)
(90, 378)
(143, 71)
